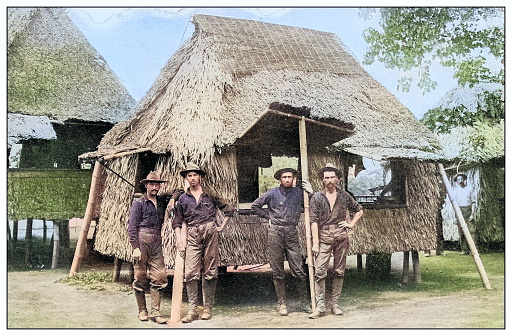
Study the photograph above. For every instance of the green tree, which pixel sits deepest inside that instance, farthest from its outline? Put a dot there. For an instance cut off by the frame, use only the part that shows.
(464, 39)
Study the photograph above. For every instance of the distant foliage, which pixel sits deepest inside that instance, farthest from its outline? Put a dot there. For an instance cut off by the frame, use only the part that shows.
(491, 111)
(458, 38)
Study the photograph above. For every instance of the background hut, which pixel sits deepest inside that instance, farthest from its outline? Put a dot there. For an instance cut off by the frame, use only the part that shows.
(58, 87)
(478, 152)
(228, 78)
(62, 98)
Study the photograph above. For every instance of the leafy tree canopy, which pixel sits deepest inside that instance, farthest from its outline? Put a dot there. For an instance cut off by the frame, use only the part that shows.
(460, 38)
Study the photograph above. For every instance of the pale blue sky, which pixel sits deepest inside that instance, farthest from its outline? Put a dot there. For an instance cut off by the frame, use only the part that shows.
(136, 42)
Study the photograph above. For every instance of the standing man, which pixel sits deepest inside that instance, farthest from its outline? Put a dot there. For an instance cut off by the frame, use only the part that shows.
(466, 200)
(285, 204)
(330, 225)
(197, 207)
(144, 233)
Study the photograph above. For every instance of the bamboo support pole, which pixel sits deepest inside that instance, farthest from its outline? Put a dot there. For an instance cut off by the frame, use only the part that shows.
(82, 239)
(467, 235)
(307, 224)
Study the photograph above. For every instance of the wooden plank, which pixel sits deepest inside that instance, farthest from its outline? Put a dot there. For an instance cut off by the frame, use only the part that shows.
(307, 224)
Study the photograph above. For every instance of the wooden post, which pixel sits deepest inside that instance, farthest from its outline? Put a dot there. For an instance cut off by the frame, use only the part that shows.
(84, 230)
(462, 224)
(117, 269)
(15, 231)
(416, 267)
(45, 227)
(177, 283)
(56, 247)
(405, 268)
(359, 262)
(28, 240)
(305, 178)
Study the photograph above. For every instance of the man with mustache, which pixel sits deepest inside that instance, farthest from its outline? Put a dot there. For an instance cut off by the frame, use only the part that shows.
(144, 234)
(330, 225)
(197, 207)
(284, 206)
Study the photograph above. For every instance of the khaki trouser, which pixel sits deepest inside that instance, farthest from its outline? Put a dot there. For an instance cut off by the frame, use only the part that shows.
(332, 240)
(151, 260)
(202, 252)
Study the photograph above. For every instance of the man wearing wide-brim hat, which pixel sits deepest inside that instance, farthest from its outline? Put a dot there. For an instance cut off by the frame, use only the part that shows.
(284, 207)
(330, 223)
(144, 234)
(198, 207)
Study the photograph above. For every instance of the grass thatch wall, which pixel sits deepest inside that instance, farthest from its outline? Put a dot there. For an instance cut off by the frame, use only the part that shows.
(47, 194)
(111, 236)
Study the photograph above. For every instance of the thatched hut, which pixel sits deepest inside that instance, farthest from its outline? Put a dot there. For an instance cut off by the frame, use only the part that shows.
(62, 97)
(478, 152)
(213, 104)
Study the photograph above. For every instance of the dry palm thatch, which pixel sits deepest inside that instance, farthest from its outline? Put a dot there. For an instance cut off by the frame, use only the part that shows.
(226, 76)
(53, 70)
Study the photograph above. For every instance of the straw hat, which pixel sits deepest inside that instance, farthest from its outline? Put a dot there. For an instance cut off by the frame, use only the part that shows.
(330, 167)
(152, 177)
(280, 172)
(191, 166)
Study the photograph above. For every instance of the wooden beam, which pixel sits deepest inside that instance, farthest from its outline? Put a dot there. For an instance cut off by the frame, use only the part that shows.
(177, 283)
(82, 238)
(462, 224)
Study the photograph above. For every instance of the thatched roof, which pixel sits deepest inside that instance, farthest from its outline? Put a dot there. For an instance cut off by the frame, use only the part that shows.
(224, 78)
(21, 127)
(53, 71)
(460, 143)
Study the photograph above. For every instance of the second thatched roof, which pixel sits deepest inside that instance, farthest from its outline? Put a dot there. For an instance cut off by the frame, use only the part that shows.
(54, 72)
(224, 78)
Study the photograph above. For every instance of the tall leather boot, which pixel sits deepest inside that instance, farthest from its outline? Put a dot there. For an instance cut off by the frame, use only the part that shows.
(140, 296)
(280, 286)
(192, 291)
(305, 298)
(155, 316)
(208, 297)
(320, 300)
(337, 286)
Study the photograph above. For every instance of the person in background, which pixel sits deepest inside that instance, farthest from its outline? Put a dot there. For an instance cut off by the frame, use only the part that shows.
(144, 234)
(330, 226)
(284, 206)
(197, 207)
(465, 198)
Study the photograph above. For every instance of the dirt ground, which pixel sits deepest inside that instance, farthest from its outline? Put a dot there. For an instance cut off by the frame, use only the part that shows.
(37, 300)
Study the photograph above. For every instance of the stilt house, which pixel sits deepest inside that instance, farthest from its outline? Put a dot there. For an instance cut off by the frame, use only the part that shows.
(229, 100)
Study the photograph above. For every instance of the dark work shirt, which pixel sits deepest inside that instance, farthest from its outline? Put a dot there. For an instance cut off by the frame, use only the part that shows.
(190, 211)
(284, 205)
(143, 213)
(320, 210)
